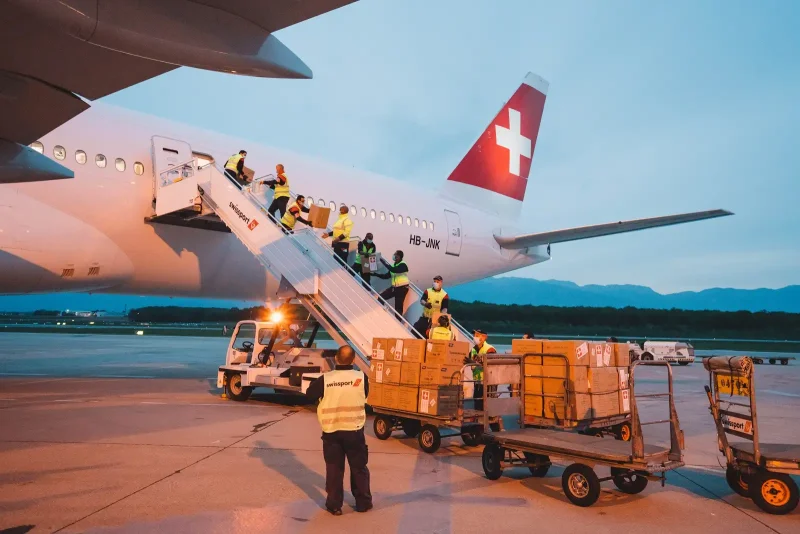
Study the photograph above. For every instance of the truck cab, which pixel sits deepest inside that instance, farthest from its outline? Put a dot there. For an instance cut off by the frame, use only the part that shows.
(670, 351)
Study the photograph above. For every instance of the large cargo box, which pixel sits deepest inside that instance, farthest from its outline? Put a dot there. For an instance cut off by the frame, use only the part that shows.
(603, 380)
(379, 347)
(576, 352)
(442, 352)
(409, 373)
(579, 407)
(601, 355)
(439, 375)
(622, 355)
(534, 405)
(605, 404)
(391, 372)
(526, 346)
(441, 400)
(375, 397)
(413, 350)
(318, 216)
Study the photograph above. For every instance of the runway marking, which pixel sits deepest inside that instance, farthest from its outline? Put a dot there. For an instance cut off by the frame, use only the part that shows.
(25, 374)
(82, 376)
(780, 393)
(69, 400)
(150, 402)
(8, 399)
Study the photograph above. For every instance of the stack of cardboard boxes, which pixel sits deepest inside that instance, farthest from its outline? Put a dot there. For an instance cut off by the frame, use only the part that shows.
(574, 380)
(416, 375)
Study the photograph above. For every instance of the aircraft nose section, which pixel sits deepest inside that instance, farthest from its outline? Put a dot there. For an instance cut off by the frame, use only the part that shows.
(19, 163)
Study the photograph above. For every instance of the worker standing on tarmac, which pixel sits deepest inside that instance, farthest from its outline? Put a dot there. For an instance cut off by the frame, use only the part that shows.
(341, 412)
(365, 249)
(294, 214)
(476, 356)
(281, 186)
(234, 168)
(442, 330)
(434, 300)
(341, 234)
(398, 272)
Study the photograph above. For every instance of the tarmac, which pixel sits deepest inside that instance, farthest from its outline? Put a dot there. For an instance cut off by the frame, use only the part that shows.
(121, 434)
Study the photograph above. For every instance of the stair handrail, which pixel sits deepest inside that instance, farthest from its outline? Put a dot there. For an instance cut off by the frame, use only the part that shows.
(190, 164)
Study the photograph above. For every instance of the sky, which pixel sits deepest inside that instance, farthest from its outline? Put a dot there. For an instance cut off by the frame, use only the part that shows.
(654, 108)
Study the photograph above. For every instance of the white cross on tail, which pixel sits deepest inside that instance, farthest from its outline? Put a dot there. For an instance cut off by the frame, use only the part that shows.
(511, 138)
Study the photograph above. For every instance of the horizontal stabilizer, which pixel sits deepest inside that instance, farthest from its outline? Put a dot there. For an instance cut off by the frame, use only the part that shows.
(598, 230)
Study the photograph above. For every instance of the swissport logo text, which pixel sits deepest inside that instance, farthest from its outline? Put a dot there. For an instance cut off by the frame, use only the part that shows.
(241, 214)
(736, 424)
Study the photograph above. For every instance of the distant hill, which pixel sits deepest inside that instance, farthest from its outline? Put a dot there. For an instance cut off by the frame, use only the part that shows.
(512, 290)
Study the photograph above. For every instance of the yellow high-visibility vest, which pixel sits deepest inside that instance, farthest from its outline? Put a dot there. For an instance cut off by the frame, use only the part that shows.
(282, 190)
(342, 405)
(343, 225)
(399, 279)
(440, 332)
(289, 219)
(435, 298)
(477, 372)
(233, 163)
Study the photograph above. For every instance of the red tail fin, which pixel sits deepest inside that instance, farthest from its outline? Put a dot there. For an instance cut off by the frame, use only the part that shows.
(500, 159)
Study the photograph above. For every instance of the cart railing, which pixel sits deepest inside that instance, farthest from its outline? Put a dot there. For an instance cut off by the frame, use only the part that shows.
(675, 433)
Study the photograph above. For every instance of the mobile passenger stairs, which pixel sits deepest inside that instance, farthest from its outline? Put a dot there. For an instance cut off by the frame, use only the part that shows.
(197, 193)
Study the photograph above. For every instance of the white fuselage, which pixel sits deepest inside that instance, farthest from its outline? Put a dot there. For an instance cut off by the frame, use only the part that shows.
(89, 233)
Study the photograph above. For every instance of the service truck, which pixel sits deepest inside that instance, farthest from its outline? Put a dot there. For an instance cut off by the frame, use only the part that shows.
(668, 351)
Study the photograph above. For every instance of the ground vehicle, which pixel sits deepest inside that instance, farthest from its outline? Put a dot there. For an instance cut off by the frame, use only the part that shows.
(669, 351)
(756, 470)
(632, 464)
(272, 354)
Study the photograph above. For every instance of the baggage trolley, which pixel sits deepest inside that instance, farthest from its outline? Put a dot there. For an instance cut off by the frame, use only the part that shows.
(759, 471)
(632, 463)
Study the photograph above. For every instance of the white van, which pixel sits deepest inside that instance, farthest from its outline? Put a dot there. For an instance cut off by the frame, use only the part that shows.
(670, 351)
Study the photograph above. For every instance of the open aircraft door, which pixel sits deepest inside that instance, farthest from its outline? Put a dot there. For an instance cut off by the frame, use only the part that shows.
(174, 174)
(453, 233)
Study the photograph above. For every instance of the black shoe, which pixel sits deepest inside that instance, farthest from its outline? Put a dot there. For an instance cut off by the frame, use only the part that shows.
(338, 511)
(362, 509)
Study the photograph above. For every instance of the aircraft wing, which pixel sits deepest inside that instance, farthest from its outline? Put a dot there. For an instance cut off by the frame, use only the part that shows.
(276, 14)
(598, 230)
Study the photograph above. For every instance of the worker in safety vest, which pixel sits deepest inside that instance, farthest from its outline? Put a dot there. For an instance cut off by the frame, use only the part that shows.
(341, 412)
(294, 214)
(476, 356)
(341, 234)
(234, 168)
(365, 249)
(442, 330)
(398, 272)
(528, 335)
(282, 195)
(434, 300)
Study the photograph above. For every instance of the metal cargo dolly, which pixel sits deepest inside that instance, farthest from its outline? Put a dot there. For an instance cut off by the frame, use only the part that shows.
(632, 463)
(759, 471)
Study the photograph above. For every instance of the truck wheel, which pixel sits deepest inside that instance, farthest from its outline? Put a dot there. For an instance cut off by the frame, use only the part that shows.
(775, 493)
(738, 481)
(628, 481)
(234, 388)
(382, 426)
(472, 436)
(758, 360)
(684, 363)
(784, 362)
(772, 361)
(542, 462)
(647, 357)
(580, 485)
(491, 459)
(429, 439)
(410, 427)
(623, 432)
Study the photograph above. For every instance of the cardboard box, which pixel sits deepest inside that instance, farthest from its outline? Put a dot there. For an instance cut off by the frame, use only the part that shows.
(391, 372)
(249, 173)
(577, 377)
(534, 405)
(580, 407)
(533, 360)
(577, 352)
(601, 355)
(622, 355)
(318, 216)
(413, 350)
(407, 398)
(624, 378)
(533, 386)
(624, 401)
(439, 375)
(376, 371)
(389, 393)
(605, 404)
(526, 346)
(442, 352)
(409, 373)
(375, 397)
(379, 347)
(394, 351)
(603, 380)
(442, 400)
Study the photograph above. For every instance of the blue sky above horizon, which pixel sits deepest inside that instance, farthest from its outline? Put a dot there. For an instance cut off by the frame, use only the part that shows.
(653, 109)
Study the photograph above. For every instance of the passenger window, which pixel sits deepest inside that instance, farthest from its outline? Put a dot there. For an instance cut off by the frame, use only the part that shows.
(416, 222)
(431, 226)
(321, 202)
(332, 205)
(424, 224)
(353, 210)
(37, 146)
(119, 163)
(399, 218)
(100, 160)
(391, 217)
(59, 152)
(310, 201)
(372, 214)
(383, 216)
(408, 220)
(245, 333)
(80, 156)
(138, 168)
(364, 212)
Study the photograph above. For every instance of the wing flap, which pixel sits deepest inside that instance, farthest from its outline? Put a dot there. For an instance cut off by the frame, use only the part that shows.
(599, 230)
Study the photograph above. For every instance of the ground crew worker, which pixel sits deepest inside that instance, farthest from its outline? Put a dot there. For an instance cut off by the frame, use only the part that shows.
(365, 249)
(442, 330)
(234, 168)
(528, 335)
(294, 214)
(341, 412)
(434, 300)
(341, 234)
(398, 272)
(476, 356)
(282, 194)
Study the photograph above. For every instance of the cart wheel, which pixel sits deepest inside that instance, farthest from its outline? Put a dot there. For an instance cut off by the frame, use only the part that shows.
(581, 485)
(494, 427)
(772, 361)
(784, 362)
(775, 493)
(683, 363)
(628, 481)
(623, 432)
(430, 439)
(382, 426)
(491, 458)
(235, 390)
(542, 461)
(472, 437)
(410, 427)
(738, 481)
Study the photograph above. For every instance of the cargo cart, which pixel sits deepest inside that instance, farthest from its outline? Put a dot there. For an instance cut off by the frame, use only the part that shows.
(783, 360)
(430, 429)
(759, 471)
(632, 464)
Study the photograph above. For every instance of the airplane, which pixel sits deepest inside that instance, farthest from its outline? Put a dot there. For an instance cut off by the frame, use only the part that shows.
(104, 231)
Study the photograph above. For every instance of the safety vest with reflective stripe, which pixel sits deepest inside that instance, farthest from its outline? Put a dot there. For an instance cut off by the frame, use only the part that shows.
(440, 332)
(477, 372)
(343, 225)
(282, 190)
(289, 218)
(364, 252)
(342, 404)
(399, 279)
(436, 298)
(233, 163)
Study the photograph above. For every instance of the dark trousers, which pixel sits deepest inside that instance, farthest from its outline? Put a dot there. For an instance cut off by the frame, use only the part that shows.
(336, 446)
(399, 293)
(234, 177)
(278, 204)
(366, 276)
(341, 249)
(422, 325)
